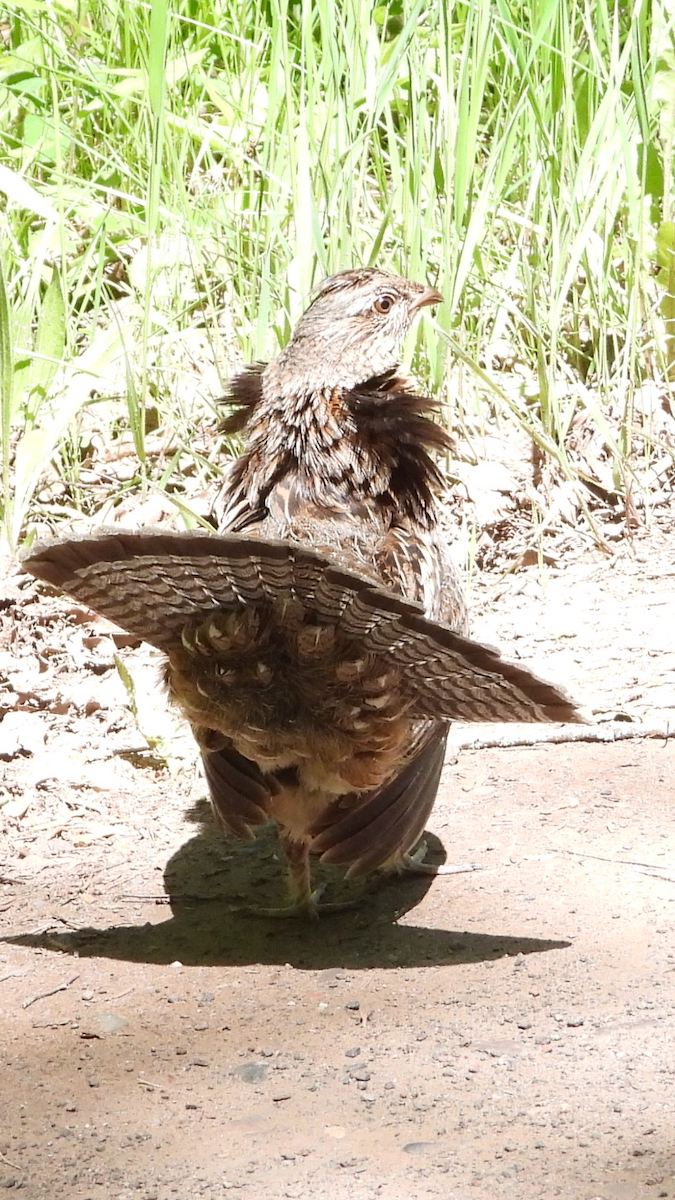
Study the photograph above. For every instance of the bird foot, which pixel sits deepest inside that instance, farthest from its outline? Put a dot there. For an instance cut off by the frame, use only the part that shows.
(414, 864)
(305, 907)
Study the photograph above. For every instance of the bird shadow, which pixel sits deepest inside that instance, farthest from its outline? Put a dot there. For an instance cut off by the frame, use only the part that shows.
(210, 878)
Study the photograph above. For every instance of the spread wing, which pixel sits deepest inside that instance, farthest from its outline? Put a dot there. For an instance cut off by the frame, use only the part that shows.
(152, 583)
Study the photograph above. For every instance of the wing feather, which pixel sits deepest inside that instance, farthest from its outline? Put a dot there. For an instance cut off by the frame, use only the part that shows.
(150, 583)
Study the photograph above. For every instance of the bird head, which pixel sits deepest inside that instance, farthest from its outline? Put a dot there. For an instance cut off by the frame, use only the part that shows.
(353, 329)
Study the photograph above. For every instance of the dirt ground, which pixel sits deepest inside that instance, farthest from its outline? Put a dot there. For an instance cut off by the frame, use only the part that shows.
(509, 1031)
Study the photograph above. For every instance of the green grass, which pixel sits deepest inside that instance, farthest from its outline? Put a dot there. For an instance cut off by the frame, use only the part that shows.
(176, 176)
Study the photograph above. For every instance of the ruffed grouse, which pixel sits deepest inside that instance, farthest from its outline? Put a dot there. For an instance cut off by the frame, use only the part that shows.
(317, 644)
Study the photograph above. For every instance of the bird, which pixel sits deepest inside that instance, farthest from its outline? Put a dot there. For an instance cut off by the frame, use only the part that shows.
(317, 640)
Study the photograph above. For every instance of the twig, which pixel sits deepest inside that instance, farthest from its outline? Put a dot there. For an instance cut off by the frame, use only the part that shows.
(535, 735)
(52, 992)
(622, 862)
(459, 869)
(3, 1158)
(160, 898)
(119, 995)
(147, 1083)
(14, 975)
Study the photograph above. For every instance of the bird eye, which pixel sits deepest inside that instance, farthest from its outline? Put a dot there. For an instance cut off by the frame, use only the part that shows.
(383, 304)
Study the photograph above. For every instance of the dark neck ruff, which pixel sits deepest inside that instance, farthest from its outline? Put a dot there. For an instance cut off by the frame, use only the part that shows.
(370, 443)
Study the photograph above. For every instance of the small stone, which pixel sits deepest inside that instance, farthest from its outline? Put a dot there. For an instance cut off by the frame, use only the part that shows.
(418, 1148)
(362, 1075)
(199, 1062)
(574, 1022)
(252, 1072)
(190, 1105)
(353, 1052)
(524, 1024)
(94, 1083)
(88, 995)
(353, 1005)
(110, 1022)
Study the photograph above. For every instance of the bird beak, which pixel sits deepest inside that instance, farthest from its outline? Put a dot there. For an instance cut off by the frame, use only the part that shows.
(429, 296)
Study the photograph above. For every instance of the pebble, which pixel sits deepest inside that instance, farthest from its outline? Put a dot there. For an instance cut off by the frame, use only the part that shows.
(353, 1052)
(94, 1083)
(110, 1022)
(252, 1072)
(524, 1024)
(353, 1005)
(418, 1148)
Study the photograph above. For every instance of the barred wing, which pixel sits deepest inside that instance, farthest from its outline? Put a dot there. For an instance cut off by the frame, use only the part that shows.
(151, 583)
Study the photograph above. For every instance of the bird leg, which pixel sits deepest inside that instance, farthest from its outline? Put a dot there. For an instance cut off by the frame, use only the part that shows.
(304, 900)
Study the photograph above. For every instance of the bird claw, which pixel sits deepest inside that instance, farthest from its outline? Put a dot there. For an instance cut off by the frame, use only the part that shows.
(414, 864)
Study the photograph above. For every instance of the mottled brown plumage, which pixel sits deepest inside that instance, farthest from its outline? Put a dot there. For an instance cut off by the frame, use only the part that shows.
(317, 643)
